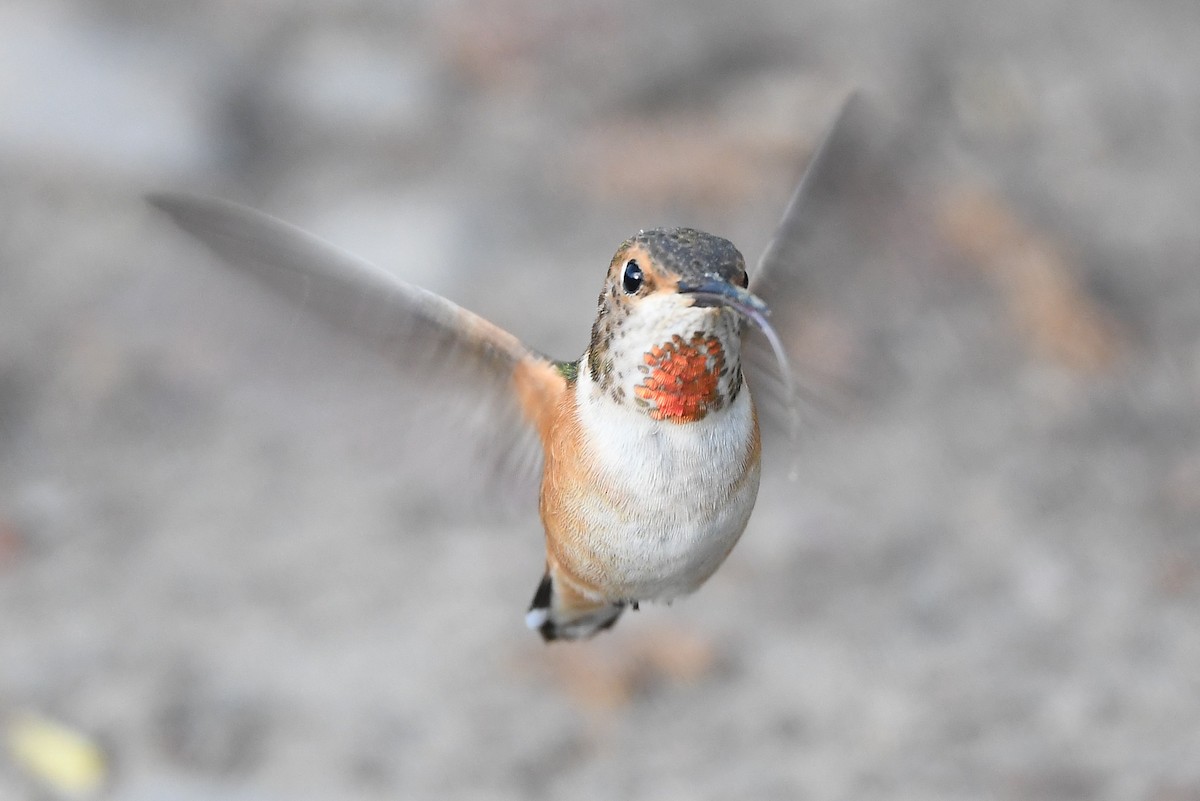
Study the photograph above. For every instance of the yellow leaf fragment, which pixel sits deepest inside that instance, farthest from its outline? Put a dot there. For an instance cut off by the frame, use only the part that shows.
(63, 759)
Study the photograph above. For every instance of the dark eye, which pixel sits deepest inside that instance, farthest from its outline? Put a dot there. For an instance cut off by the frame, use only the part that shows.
(743, 280)
(631, 281)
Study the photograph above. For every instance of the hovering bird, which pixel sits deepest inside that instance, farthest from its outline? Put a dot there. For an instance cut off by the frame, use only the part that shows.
(650, 441)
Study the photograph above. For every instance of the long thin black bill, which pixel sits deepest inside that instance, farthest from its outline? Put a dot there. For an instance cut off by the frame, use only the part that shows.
(720, 293)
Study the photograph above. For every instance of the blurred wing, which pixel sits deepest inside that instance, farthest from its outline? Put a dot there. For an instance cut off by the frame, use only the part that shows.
(499, 384)
(818, 240)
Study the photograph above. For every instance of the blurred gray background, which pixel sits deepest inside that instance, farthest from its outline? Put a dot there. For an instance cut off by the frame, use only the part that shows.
(231, 555)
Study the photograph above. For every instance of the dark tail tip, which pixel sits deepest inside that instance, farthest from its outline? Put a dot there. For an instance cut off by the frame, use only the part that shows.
(540, 617)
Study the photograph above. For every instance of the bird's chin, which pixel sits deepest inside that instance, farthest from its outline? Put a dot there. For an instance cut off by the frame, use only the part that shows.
(687, 320)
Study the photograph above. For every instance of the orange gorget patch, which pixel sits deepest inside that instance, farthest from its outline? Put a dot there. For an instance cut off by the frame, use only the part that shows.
(683, 378)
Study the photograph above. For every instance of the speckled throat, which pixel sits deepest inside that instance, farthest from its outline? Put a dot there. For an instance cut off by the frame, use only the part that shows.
(679, 371)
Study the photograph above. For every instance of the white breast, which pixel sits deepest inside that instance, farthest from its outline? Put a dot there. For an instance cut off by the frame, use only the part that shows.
(679, 494)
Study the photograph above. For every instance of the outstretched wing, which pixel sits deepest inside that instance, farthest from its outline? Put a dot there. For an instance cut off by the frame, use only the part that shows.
(821, 235)
(497, 381)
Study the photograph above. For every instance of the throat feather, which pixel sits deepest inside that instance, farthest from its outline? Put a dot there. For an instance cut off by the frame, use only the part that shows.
(683, 379)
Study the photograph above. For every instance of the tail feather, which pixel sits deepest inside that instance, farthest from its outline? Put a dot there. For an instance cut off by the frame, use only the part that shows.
(557, 617)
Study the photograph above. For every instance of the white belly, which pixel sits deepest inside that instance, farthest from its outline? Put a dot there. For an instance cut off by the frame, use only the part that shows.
(678, 494)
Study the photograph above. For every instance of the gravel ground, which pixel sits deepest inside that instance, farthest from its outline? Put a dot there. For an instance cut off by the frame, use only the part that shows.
(242, 554)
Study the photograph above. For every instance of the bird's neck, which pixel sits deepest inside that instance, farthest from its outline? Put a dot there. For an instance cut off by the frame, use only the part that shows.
(674, 377)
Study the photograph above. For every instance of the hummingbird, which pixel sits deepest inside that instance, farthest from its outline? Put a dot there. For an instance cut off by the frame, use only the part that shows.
(650, 441)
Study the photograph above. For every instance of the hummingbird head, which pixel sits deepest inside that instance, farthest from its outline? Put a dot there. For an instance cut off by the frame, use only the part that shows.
(667, 336)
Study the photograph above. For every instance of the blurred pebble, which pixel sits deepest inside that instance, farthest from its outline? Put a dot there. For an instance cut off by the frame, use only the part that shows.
(12, 543)
(211, 730)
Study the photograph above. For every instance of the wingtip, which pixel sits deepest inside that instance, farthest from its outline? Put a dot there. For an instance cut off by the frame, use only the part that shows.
(157, 202)
(174, 205)
(163, 201)
(853, 132)
(177, 204)
(210, 219)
